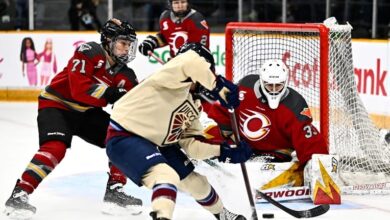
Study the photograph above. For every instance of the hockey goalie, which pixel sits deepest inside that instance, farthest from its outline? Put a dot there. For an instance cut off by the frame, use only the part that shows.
(291, 159)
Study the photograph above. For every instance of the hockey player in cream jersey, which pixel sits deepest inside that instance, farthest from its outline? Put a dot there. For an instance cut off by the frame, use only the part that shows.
(154, 122)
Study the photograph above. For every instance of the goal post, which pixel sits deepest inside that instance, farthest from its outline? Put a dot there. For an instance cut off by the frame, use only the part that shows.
(318, 30)
(319, 57)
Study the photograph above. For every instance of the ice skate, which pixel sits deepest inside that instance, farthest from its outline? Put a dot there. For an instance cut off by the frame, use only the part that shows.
(117, 202)
(154, 216)
(227, 215)
(17, 206)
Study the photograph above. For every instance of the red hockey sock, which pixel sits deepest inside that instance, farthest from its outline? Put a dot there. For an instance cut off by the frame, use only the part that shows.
(44, 161)
(116, 176)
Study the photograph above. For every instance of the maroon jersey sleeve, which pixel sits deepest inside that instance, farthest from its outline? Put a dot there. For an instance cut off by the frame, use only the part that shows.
(125, 78)
(305, 137)
(83, 87)
(199, 30)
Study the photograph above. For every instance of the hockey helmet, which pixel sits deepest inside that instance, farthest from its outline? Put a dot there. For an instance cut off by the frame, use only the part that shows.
(180, 13)
(274, 76)
(115, 31)
(199, 49)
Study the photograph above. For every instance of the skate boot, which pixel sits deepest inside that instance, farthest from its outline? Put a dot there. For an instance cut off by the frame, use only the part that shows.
(17, 206)
(227, 215)
(117, 202)
(154, 216)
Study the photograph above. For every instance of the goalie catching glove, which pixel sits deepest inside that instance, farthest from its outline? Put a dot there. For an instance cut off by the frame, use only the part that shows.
(149, 44)
(226, 92)
(112, 94)
(238, 154)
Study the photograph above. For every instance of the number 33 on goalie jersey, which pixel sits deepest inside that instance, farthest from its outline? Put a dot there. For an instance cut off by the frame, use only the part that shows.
(289, 127)
(82, 83)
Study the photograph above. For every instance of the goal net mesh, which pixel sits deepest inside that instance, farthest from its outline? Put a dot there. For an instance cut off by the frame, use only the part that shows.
(352, 135)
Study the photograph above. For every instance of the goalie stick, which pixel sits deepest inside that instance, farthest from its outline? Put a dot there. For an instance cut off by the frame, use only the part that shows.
(313, 212)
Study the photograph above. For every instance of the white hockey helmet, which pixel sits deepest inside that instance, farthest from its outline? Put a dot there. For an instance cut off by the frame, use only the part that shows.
(274, 76)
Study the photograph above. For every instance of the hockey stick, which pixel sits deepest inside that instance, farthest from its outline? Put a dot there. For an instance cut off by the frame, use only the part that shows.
(233, 122)
(310, 213)
(313, 212)
(208, 161)
(151, 54)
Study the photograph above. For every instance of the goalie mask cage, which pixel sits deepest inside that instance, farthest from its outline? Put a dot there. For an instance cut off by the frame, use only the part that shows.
(321, 69)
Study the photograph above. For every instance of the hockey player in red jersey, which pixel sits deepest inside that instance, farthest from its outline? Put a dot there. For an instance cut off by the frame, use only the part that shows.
(178, 25)
(155, 127)
(71, 105)
(273, 118)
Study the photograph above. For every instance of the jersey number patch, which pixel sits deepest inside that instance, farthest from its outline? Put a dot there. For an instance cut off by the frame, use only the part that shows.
(77, 62)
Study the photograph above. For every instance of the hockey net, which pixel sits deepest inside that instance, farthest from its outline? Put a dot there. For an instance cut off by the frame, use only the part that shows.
(321, 69)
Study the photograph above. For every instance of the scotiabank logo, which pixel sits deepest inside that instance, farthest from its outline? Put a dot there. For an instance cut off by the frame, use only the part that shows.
(302, 74)
(371, 81)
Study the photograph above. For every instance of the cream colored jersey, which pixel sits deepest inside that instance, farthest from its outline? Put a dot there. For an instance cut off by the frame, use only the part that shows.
(161, 109)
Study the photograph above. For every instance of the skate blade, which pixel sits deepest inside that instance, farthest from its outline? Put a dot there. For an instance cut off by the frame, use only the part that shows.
(113, 209)
(18, 214)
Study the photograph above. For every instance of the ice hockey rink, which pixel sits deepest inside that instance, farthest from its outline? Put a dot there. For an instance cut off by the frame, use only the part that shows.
(74, 190)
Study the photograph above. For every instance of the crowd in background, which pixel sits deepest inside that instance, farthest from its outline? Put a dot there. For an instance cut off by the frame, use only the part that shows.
(144, 14)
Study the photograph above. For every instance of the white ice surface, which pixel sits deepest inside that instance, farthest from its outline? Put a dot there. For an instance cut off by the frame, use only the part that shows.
(74, 190)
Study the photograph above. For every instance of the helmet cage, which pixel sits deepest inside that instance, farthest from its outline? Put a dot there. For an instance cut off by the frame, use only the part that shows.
(274, 76)
(123, 58)
(111, 33)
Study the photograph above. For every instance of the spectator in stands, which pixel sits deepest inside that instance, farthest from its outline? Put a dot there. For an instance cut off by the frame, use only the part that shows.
(84, 12)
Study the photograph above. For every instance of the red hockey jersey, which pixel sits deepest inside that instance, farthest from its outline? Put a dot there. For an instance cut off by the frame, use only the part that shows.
(287, 128)
(82, 83)
(175, 31)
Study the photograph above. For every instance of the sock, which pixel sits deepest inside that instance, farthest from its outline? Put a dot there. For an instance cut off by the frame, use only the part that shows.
(164, 199)
(44, 161)
(115, 175)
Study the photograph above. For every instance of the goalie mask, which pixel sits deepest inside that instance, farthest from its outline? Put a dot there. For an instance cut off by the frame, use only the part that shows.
(119, 40)
(180, 8)
(274, 76)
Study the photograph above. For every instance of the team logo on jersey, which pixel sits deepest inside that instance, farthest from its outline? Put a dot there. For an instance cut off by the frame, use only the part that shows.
(204, 24)
(306, 112)
(177, 39)
(254, 125)
(165, 25)
(84, 47)
(99, 64)
(180, 120)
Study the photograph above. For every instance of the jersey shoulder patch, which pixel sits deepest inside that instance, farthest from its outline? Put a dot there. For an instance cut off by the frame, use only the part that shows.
(199, 20)
(249, 81)
(91, 49)
(297, 104)
(165, 15)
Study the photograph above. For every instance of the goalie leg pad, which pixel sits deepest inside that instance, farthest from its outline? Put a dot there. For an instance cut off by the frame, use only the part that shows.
(321, 175)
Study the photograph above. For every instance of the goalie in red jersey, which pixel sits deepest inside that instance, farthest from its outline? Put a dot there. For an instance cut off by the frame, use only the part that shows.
(71, 105)
(273, 118)
(178, 25)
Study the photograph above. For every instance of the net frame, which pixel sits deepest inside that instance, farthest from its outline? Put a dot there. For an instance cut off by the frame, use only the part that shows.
(323, 32)
(366, 168)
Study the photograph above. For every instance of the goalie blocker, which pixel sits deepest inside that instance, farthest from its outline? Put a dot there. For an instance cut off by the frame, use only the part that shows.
(284, 180)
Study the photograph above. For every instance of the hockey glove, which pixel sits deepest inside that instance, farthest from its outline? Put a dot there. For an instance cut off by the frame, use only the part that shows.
(226, 93)
(112, 94)
(238, 154)
(149, 44)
